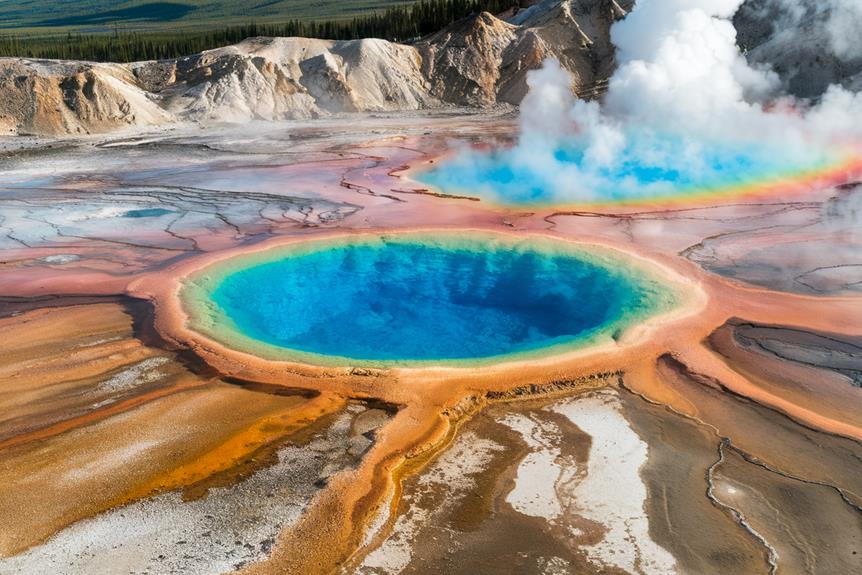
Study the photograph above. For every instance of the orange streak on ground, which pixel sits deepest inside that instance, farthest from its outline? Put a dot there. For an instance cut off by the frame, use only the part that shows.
(238, 448)
(52, 483)
(643, 379)
(101, 414)
(58, 363)
(704, 362)
(341, 512)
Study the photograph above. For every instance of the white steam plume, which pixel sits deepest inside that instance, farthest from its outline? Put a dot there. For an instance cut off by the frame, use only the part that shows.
(680, 67)
(681, 102)
(836, 21)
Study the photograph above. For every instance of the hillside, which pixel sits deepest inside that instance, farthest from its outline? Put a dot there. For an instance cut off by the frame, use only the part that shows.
(479, 61)
(88, 16)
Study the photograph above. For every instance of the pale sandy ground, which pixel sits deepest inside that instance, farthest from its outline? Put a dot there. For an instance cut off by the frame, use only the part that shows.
(454, 471)
(611, 491)
(220, 532)
(606, 489)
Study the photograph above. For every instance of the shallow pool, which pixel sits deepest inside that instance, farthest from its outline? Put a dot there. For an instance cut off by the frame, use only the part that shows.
(647, 167)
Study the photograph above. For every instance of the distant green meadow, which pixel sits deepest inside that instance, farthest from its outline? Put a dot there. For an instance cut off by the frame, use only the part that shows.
(99, 16)
(105, 31)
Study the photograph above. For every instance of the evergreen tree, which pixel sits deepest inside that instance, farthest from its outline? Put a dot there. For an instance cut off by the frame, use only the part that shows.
(402, 23)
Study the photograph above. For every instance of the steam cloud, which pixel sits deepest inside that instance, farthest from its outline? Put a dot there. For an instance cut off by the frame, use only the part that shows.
(684, 109)
(835, 21)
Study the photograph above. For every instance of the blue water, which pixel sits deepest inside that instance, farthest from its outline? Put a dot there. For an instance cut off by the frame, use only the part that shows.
(147, 213)
(648, 166)
(412, 301)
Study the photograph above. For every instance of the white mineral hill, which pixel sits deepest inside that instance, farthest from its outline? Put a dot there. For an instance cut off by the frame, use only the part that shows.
(479, 61)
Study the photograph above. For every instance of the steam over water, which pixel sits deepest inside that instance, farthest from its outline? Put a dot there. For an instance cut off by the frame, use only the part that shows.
(684, 113)
(673, 167)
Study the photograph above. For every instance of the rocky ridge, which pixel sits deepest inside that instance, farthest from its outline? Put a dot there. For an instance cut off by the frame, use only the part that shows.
(479, 61)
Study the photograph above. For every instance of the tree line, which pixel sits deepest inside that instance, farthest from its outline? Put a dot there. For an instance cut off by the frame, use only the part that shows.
(404, 23)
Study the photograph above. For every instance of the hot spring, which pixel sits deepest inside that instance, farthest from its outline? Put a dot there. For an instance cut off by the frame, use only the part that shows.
(645, 167)
(420, 298)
